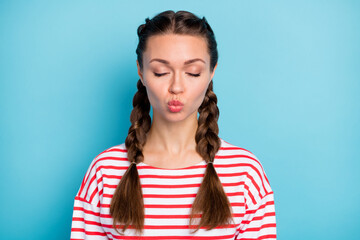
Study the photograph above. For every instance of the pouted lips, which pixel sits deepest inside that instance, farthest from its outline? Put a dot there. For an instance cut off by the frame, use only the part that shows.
(175, 106)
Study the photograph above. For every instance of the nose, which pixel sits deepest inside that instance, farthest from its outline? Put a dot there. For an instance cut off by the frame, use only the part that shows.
(177, 84)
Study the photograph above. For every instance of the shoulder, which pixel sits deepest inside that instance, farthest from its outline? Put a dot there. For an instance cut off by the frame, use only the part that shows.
(110, 162)
(112, 156)
(245, 162)
(237, 155)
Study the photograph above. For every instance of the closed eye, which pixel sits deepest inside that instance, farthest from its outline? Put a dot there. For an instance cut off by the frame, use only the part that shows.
(159, 74)
(194, 75)
(162, 74)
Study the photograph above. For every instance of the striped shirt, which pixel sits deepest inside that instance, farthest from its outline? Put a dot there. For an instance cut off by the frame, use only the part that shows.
(168, 196)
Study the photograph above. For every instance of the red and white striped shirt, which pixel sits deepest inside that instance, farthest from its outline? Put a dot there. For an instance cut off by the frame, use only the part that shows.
(169, 193)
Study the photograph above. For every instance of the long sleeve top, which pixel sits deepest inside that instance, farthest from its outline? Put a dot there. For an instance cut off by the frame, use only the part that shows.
(168, 196)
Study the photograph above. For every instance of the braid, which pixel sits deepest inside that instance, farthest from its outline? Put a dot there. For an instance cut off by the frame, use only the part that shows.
(208, 142)
(211, 199)
(140, 125)
(127, 204)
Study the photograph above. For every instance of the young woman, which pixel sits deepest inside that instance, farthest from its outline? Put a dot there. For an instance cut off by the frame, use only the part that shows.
(174, 178)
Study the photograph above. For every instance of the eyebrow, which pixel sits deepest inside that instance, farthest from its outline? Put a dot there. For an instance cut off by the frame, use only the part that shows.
(185, 63)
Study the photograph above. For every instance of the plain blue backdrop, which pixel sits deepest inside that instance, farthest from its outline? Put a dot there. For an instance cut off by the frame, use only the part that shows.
(287, 81)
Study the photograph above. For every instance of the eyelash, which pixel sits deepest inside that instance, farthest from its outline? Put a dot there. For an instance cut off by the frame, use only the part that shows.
(192, 75)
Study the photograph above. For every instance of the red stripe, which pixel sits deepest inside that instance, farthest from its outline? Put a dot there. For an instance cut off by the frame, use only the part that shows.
(267, 180)
(87, 211)
(86, 221)
(100, 180)
(269, 236)
(250, 194)
(260, 207)
(114, 149)
(173, 205)
(81, 199)
(257, 229)
(169, 216)
(82, 184)
(165, 227)
(237, 174)
(87, 190)
(182, 216)
(124, 150)
(88, 232)
(120, 159)
(254, 184)
(184, 168)
(234, 148)
(175, 195)
(236, 156)
(235, 184)
(176, 237)
(157, 206)
(113, 167)
(258, 218)
(96, 190)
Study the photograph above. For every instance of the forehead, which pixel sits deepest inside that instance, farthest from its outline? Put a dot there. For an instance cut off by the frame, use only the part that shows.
(176, 48)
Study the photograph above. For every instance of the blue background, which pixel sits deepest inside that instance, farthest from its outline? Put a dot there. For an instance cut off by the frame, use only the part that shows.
(287, 83)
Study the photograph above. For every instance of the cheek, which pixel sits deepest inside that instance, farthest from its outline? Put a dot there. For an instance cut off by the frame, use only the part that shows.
(154, 95)
(198, 94)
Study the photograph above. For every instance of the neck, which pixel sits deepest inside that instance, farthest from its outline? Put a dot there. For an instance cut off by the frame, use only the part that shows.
(172, 137)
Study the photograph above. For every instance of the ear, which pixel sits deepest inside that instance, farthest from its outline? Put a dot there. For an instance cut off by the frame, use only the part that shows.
(139, 72)
(213, 72)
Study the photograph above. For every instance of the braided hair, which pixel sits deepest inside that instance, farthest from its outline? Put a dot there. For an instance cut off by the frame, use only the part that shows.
(127, 205)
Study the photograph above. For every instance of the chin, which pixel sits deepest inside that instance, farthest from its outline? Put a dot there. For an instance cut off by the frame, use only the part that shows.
(179, 116)
(175, 118)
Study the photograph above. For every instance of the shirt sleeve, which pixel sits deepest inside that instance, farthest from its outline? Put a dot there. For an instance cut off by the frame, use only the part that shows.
(86, 213)
(259, 221)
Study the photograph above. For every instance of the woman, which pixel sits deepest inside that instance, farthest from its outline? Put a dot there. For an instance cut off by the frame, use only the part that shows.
(175, 178)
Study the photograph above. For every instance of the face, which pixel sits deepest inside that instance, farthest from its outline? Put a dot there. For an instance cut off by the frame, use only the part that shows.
(176, 74)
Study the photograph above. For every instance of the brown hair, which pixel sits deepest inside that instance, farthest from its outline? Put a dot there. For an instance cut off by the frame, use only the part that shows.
(127, 205)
